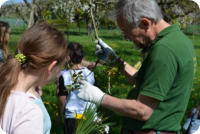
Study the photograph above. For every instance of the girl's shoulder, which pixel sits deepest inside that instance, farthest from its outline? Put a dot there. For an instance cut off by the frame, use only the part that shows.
(21, 112)
(87, 72)
(22, 106)
(22, 101)
(85, 69)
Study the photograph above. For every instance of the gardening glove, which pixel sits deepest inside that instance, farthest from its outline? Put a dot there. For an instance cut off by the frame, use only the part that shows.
(90, 93)
(105, 52)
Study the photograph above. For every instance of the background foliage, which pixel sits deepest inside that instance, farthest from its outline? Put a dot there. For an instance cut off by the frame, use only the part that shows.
(119, 84)
(72, 17)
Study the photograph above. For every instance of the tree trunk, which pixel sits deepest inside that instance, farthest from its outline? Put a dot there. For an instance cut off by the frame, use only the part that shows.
(89, 29)
(79, 26)
(67, 28)
(21, 16)
(31, 19)
(88, 26)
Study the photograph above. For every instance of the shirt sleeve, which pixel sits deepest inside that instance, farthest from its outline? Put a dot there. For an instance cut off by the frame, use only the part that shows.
(91, 78)
(159, 74)
(61, 87)
(31, 121)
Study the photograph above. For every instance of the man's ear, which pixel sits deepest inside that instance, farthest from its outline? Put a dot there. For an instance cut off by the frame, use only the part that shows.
(145, 23)
(51, 66)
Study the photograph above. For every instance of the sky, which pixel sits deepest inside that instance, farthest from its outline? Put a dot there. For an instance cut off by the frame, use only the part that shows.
(15, 1)
(3, 2)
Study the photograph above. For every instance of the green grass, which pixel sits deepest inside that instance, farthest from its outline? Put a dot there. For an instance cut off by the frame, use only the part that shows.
(119, 84)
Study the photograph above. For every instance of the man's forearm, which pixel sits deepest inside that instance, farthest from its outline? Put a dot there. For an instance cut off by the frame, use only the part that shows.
(128, 108)
(129, 71)
(140, 109)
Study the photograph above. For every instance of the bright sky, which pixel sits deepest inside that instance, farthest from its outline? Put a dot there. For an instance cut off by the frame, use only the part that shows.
(197, 1)
(18, 0)
(14, 1)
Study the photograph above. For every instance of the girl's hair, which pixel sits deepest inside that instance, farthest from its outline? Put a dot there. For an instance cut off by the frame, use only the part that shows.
(41, 45)
(75, 52)
(4, 37)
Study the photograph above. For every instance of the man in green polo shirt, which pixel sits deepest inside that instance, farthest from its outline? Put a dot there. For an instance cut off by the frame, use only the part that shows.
(164, 81)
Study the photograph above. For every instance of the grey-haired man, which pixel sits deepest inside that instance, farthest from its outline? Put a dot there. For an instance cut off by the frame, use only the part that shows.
(163, 83)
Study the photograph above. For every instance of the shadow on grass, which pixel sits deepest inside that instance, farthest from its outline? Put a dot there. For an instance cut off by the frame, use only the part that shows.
(128, 53)
(197, 46)
(17, 32)
(75, 33)
(112, 37)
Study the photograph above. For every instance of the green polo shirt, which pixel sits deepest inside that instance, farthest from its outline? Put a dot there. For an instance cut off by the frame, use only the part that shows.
(166, 75)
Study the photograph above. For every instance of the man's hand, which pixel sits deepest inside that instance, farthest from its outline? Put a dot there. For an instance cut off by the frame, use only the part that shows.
(90, 93)
(105, 52)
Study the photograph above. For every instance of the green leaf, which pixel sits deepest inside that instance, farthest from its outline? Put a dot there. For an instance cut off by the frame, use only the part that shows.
(89, 125)
(80, 72)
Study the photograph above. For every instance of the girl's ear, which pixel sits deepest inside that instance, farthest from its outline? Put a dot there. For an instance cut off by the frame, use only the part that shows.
(51, 66)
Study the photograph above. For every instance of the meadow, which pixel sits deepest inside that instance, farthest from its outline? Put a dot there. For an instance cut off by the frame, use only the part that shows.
(119, 84)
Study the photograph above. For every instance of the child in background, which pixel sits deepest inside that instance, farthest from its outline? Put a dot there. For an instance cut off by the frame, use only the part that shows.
(70, 103)
(40, 54)
(4, 41)
(35, 95)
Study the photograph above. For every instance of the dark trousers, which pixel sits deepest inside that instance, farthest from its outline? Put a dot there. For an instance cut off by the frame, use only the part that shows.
(69, 126)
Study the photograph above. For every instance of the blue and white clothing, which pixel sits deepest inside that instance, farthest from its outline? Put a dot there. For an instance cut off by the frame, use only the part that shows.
(75, 105)
(2, 58)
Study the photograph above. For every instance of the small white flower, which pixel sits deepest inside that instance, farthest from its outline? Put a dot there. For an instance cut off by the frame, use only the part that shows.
(106, 129)
(97, 119)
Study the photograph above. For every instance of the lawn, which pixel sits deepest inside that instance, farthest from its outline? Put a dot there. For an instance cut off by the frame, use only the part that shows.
(119, 85)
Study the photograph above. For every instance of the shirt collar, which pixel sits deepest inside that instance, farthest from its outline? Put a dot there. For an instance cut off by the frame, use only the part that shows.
(164, 32)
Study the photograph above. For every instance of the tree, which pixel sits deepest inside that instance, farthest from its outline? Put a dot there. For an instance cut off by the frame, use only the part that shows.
(79, 10)
(100, 9)
(29, 12)
(183, 11)
(37, 7)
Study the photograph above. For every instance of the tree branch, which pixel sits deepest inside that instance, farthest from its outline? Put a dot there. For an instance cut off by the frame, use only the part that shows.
(22, 16)
(27, 4)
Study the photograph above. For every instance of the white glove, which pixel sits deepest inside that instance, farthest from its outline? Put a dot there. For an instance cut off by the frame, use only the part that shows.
(90, 93)
(105, 52)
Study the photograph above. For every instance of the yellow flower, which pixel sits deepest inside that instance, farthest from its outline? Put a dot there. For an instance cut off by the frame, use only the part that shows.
(79, 116)
(47, 103)
(123, 85)
(54, 105)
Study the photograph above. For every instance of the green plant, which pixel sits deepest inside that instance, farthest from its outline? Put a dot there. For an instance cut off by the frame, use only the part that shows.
(91, 122)
(77, 77)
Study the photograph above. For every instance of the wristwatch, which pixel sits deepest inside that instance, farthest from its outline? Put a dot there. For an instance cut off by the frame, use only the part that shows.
(121, 64)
